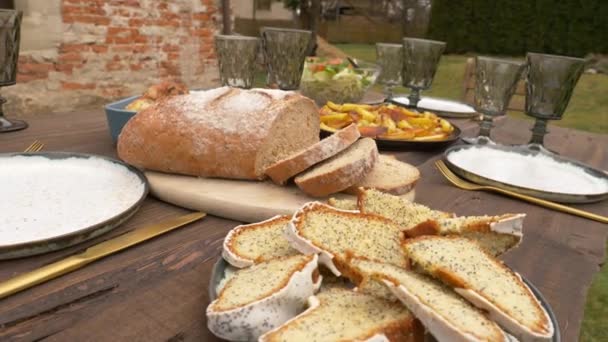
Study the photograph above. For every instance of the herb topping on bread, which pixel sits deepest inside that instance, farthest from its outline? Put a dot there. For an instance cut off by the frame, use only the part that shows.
(248, 244)
(484, 281)
(319, 228)
(263, 296)
(342, 315)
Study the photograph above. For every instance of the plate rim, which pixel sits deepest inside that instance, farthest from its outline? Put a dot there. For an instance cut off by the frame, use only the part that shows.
(122, 216)
(455, 114)
(387, 143)
(220, 265)
(549, 195)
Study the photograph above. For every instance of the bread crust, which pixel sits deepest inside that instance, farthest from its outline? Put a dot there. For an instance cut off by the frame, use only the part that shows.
(284, 169)
(199, 135)
(504, 225)
(431, 226)
(339, 178)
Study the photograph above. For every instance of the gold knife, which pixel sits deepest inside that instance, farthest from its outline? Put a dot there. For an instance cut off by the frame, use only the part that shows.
(54, 270)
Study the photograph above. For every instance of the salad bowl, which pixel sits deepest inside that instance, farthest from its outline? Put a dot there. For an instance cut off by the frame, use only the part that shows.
(337, 80)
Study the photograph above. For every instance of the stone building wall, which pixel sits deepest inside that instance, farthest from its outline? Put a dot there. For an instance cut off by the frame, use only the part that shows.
(108, 49)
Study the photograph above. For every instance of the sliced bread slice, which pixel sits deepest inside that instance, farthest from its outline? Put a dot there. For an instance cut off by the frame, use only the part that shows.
(319, 228)
(339, 314)
(444, 313)
(351, 204)
(262, 297)
(405, 213)
(284, 169)
(341, 171)
(389, 175)
(343, 204)
(484, 281)
(249, 244)
(495, 234)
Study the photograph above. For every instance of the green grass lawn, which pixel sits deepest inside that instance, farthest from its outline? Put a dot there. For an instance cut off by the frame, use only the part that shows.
(588, 111)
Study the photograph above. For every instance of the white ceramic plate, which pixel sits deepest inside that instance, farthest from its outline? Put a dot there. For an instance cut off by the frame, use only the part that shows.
(222, 272)
(440, 106)
(53, 200)
(535, 173)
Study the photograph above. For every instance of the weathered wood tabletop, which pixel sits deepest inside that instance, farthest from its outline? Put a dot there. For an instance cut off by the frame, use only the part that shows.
(157, 291)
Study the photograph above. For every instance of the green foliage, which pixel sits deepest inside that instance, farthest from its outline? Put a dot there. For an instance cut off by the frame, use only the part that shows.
(291, 4)
(514, 27)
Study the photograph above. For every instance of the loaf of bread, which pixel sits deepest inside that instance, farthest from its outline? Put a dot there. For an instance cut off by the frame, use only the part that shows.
(286, 168)
(223, 132)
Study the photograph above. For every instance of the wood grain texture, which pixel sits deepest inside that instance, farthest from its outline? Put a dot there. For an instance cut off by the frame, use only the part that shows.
(241, 200)
(157, 291)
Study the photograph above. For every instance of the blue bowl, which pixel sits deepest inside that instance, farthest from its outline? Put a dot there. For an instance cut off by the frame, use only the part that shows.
(118, 116)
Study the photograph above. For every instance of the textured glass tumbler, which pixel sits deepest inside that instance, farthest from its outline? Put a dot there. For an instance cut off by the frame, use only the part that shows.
(237, 57)
(10, 30)
(285, 51)
(390, 59)
(550, 82)
(495, 82)
(420, 61)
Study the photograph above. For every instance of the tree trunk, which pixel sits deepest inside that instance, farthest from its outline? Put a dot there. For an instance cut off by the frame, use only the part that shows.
(305, 19)
(315, 21)
(226, 17)
(415, 17)
(309, 19)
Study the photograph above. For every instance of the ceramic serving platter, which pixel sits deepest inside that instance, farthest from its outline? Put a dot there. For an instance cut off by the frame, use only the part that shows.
(442, 107)
(53, 200)
(222, 268)
(531, 172)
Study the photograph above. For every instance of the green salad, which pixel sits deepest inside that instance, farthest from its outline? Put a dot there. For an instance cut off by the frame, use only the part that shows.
(336, 80)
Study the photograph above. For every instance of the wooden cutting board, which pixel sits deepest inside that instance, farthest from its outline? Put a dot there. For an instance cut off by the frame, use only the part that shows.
(245, 201)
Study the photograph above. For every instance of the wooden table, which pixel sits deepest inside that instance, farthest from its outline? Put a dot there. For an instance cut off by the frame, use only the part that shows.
(157, 291)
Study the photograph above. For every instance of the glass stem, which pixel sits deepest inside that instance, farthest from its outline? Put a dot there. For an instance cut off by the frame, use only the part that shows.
(4, 123)
(485, 126)
(2, 102)
(388, 90)
(539, 131)
(414, 97)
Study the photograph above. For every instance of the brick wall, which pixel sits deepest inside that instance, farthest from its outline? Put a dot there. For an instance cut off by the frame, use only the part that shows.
(116, 48)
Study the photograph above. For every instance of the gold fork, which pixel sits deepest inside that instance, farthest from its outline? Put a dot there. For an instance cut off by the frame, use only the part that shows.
(34, 147)
(466, 185)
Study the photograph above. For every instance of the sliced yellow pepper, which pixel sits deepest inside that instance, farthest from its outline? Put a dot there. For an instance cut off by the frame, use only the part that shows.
(445, 126)
(327, 128)
(365, 114)
(347, 107)
(334, 106)
(421, 122)
(410, 113)
(388, 123)
(430, 137)
(335, 116)
(404, 124)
